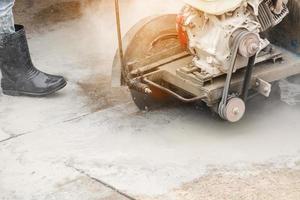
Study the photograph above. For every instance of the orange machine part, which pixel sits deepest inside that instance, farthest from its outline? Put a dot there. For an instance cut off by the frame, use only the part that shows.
(182, 35)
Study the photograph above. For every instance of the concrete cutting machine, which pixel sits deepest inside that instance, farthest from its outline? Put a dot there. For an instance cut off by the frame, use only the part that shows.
(214, 51)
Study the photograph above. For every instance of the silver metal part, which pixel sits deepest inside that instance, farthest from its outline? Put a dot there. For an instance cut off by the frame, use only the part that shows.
(263, 87)
(249, 46)
(269, 16)
(234, 110)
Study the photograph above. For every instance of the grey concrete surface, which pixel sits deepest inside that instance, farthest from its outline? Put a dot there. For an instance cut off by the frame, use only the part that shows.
(89, 141)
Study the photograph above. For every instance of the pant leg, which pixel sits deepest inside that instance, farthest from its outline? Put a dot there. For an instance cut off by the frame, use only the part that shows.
(6, 16)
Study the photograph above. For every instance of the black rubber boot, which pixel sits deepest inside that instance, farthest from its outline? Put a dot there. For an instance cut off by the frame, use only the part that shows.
(19, 76)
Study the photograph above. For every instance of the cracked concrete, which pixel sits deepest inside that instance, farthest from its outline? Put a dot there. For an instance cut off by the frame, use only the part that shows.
(89, 142)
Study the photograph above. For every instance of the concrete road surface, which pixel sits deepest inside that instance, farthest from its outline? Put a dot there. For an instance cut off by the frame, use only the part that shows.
(90, 142)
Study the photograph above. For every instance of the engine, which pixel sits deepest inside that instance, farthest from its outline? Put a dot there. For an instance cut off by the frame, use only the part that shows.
(207, 28)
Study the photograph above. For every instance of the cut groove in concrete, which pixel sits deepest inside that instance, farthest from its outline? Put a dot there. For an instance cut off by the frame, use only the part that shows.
(103, 183)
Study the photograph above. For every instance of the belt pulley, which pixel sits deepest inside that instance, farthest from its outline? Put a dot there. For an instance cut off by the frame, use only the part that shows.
(232, 107)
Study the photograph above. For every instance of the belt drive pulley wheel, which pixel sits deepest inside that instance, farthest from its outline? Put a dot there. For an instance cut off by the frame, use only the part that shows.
(234, 110)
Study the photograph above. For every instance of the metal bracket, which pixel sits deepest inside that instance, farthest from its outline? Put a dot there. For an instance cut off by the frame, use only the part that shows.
(263, 87)
(174, 94)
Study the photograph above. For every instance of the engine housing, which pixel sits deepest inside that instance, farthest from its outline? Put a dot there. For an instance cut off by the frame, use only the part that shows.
(209, 37)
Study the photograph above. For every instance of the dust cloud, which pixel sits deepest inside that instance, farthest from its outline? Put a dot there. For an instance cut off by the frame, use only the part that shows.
(271, 119)
(98, 21)
(290, 91)
(154, 151)
(267, 119)
(84, 34)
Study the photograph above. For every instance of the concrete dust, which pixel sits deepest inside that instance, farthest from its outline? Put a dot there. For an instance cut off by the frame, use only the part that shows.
(290, 92)
(267, 184)
(101, 95)
(58, 12)
(81, 188)
(40, 15)
(97, 35)
(177, 152)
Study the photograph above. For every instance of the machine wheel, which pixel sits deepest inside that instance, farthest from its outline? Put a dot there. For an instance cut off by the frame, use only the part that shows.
(234, 110)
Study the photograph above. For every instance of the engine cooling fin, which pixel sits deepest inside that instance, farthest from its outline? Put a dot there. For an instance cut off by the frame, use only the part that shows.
(267, 17)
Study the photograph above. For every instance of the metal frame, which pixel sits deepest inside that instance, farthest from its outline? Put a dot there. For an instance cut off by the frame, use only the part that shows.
(150, 69)
(120, 42)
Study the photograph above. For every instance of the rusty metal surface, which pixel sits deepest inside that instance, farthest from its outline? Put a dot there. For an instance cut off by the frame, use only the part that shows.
(141, 46)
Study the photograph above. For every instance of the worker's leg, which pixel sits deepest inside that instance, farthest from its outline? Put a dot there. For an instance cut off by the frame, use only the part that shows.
(19, 75)
(6, 16)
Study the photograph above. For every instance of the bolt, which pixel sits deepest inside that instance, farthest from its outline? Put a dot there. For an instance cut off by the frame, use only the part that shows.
(253, 48)
(148, 91)
(236, 111)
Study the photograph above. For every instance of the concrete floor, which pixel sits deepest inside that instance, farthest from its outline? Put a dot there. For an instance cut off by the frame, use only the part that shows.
(89, 141)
